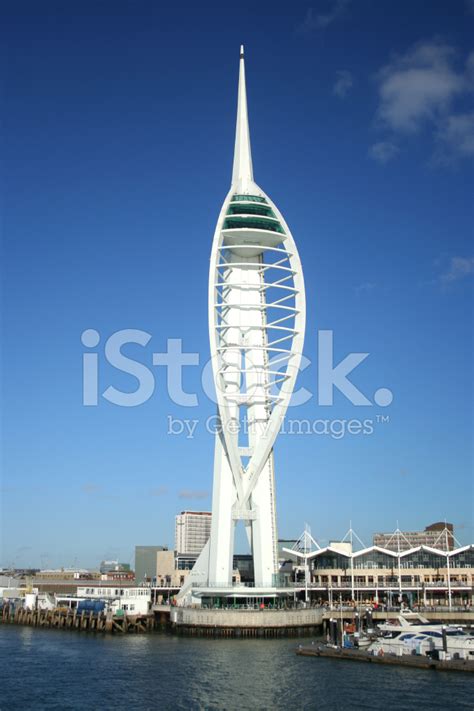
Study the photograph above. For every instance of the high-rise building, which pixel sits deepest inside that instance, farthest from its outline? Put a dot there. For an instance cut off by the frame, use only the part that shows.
(256, 330)
(145, 562)
(192, 531)
(438, 535)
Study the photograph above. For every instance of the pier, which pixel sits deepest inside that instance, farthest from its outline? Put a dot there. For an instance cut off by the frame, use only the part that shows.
(64, 618)
(349, 615)
(406, 660)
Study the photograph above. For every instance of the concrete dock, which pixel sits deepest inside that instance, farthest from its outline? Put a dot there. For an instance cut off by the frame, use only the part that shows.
(246, 623)
(407, 660)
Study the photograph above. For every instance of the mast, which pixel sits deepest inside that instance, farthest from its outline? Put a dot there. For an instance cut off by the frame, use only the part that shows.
(242, 173)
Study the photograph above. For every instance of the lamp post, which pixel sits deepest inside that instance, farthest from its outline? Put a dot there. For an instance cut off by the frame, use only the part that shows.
(449, 577)
(342, 620)
(306, 571)
(399, 570)
(294, 589)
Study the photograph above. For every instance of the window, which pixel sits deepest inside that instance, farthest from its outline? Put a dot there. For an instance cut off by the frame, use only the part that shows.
(250, 209)
(248, 198)
(253, 223)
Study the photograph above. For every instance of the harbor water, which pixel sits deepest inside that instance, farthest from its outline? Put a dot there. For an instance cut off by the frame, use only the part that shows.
(63, 670)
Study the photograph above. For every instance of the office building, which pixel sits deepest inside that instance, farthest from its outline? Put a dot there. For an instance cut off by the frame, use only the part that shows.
(438, 535)
(192, 531)
(145, 562)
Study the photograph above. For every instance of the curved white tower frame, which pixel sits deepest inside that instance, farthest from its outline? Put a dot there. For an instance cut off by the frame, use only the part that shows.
(256, 331)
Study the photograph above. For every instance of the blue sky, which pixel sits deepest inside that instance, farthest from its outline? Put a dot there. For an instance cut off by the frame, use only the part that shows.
(118, 136)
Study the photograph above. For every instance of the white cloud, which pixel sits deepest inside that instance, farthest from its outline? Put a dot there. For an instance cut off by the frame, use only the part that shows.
(459, 268)
(418, 86)
(365, 287)
(418, 91)
(343, 84)
(97, 492)
(193, 494)
(383, 151)
(455, 138)
(159, 491)
(320, 20)
(90, 488)
(470, 66)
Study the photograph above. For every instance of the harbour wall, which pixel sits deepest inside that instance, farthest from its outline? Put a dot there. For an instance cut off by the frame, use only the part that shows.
(63, 618)
(246, 623)
(205, 622)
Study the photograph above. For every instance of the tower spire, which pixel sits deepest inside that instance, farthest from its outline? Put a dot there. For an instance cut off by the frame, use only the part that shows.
(242, 173)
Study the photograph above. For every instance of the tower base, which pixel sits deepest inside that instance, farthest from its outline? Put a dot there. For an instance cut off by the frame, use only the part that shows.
(241, 622)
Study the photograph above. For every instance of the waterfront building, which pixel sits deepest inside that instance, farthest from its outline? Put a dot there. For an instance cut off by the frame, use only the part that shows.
(243, 570)
(172, 569)
(421, 575)
(283, 544)
(192, 531)
(256, 330)
(134, 600)
(145, 562)
(166, 570)
(69, 585)
(437, 535)
(67, 574)
(11, 588)
(118, 575)
(343, 546)
(113, 566)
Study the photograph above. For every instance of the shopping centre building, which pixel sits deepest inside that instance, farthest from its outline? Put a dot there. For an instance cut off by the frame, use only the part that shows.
(421, 575)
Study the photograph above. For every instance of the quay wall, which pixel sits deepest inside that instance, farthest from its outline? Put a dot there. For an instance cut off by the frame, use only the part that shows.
(204, 622)
(247, 619)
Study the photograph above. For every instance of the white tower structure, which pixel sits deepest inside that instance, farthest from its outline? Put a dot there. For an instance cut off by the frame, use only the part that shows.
(256, 331)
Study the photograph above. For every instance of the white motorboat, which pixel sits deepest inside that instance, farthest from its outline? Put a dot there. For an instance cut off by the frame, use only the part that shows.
(411, 633)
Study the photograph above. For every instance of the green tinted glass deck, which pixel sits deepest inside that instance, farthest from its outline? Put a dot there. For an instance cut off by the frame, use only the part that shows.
(251, 209)
(236, 223)
(248, 198)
